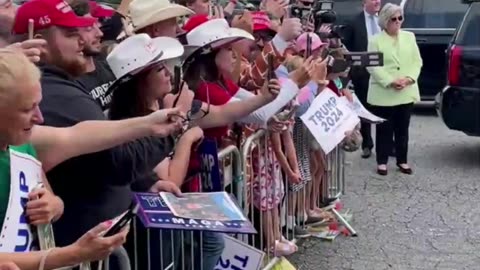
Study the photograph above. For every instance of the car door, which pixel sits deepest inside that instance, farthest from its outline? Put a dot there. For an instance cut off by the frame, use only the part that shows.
(434, 23)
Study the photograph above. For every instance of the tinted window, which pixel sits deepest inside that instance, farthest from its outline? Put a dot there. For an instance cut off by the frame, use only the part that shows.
(347, 9)
(433, 13)
(469, 34)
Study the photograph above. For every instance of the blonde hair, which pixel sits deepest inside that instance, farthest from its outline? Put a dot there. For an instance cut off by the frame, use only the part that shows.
(386, 14)
(15, 68)
(293, 62)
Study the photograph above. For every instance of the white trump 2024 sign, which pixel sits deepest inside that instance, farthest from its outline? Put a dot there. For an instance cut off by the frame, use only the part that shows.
(328, 118)
(239, 256)
(25, 174)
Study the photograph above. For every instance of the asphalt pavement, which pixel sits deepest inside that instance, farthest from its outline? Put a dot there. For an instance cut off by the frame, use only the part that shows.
(430, 220)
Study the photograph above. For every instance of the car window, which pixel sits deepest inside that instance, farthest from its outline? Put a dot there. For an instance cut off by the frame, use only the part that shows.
(433, 13)
(469, 34)
(348, 9)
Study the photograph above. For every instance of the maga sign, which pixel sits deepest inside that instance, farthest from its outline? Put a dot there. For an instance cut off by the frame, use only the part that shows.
(328, 118)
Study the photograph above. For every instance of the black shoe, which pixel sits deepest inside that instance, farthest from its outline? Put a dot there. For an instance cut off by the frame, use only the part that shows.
(408, 171)
(367, 152)
(328, 201)
(382, 172)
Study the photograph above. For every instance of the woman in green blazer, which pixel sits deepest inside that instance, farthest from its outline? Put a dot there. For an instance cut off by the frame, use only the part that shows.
(393, 88)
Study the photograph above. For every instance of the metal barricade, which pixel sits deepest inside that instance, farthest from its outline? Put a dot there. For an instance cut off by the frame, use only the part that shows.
(244, 173)
(264, 181)
(182, 249)
(232, 171)
(334, 183)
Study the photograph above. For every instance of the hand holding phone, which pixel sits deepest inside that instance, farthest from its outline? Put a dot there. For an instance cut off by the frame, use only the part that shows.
(308, 50)
(123, 221)
(271, 69)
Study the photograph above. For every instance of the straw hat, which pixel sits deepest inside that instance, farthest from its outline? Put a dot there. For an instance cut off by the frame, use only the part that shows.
(147, 12)
(210, 34)
(140, 52)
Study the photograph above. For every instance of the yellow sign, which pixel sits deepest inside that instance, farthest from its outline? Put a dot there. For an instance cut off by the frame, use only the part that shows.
(284, 264)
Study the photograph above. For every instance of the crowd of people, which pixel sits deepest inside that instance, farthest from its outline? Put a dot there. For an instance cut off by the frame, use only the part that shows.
(87, 91)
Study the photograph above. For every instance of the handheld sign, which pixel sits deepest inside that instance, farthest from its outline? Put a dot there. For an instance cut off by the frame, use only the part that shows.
(361, 111)
(154, 213)
(328, 118)
(25, 174)
(210, 173)
(239, 256)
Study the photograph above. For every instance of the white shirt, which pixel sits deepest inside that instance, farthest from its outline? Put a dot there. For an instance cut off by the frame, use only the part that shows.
(368, 24)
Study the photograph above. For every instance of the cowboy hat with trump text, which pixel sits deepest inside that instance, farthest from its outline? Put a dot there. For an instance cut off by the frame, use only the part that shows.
(139, 53)
(147, 12)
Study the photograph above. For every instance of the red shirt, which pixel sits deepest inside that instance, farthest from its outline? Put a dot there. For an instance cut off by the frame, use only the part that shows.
(218, 95)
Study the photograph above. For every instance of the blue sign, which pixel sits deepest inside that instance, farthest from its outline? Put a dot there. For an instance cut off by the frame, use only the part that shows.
(154, 213)
(210, 173)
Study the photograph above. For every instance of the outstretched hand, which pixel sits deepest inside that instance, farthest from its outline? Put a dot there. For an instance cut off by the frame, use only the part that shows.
(32, 48)
(162, 123)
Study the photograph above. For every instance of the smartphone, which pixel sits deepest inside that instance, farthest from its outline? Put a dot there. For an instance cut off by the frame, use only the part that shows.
(271, 69)
(177, 77)
(30, 28)
(301, 13)
(123, 221)
(308, 51)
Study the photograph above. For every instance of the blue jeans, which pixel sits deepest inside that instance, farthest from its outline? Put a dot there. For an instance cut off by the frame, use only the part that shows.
(206, 259)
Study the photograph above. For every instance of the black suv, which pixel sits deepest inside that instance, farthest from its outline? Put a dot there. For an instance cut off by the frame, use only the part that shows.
(434, 23)
(458, 104)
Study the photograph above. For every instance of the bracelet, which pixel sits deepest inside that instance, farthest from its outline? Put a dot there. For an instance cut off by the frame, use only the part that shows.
(44, 258)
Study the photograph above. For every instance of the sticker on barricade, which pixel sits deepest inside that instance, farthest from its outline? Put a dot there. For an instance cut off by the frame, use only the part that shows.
(239, 256)
(328, 118)
(154, 213)
(210, 174)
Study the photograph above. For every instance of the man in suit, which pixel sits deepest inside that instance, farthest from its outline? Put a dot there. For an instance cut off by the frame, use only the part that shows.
(357, 33)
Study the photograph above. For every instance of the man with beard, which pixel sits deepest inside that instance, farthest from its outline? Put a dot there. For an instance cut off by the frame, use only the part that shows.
(94, 187)
(99, 77)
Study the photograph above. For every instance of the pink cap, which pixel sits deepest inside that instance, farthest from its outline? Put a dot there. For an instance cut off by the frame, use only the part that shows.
(301, 43)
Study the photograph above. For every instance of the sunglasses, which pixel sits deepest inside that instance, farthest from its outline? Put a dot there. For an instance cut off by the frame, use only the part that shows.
(190, 118)
(399, 18)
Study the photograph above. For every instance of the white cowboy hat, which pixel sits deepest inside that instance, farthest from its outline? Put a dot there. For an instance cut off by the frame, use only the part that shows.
(147, 12)
(212, 34)
(140, 52)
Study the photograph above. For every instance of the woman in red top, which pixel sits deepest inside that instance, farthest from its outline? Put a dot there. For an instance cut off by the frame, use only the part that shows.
(209, 68)
(209, 71)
